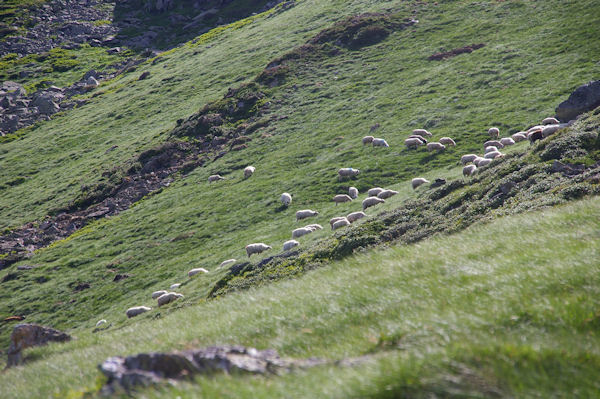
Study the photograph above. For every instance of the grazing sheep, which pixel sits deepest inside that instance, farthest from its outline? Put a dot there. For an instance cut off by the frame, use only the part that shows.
(354, 216)
(493, 155)
(290, 244)
(248, 171)
(465, 159)
(156, 294)
(168, 298)
(420, 138)
(305, 213)
(550, 121)
(435, 146)
(227, 262)
(100, 322)
(137, 310)
(175, 286)
(551, 129)
(413, 143)
(197, 270)
(367, 140)
(520, 136)
(348, 172)
(469, 170)
(353, 192)
(371, 201)
(256, 248)
(338, 199)
(494, 132)
(535, 128)
(506, 141)
(213, 178)
(494, 143)
(417, 181)
(490, 149)
(340, 223)
(380, 143)
(385, 194)
(373, 192)
(477, 160)
(483, 162)
(302, 231)
(335, 219)
(447, 141)
(422, 133)
(535, 136)
(286, 199)
(314, 227)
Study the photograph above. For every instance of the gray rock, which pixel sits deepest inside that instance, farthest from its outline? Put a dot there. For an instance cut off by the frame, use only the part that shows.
(30, 335)
(92, 82)
(585, 98)
(46, 105)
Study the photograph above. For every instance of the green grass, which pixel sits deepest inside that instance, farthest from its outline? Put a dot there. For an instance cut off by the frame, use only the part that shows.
(497, 308)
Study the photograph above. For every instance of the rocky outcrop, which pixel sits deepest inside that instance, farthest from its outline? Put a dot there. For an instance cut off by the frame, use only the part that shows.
(585, 98)
(30, 335)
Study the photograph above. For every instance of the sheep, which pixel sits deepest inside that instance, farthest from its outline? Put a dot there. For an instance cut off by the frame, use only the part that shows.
(227, 262)
(286, 199)
(506, 141)
(420, 138)
(156, 294)
(494, 143)
(422, 133)
(520, 136)
(469, 170)
(494, 132)
(340, 223)
(136, 310)
(335, 219)
(290, 244)
(373, 192)
(314, 227)
(305, 213)
(348, 172)
(100, 322)
(197, 270)
(168, 298)
(535, 136)
(535, 128)
(302, 231)
(256, 248)
(354, 216)
(248, 171)
(385, 194)
(175, 286)
(551, 129)
(340, 198)
(353, 192)
(493, 155)
(490, 149)
(417, 181)
(447, 141)
(367, 140)
(380, 143)
(477, 160)
(413, 143)
(435, 146)
(483, 162)
(213, 178)
(465, 159)
(371, 201)
(550, 121)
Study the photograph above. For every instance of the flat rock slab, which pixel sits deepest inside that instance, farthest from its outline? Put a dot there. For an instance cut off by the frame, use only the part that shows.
(150, 368)
(30, 335)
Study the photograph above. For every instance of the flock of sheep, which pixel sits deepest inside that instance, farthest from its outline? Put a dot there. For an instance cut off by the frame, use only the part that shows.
(376, 195)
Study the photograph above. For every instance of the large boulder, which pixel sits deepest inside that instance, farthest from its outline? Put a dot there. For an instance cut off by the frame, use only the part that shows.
(46, 105)
(30, 335)
(585, 98)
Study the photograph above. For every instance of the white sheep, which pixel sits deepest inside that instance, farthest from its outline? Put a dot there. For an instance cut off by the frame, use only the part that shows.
(354, 216)
(305, 213)
(340, 223)
(422, 133)
(447, 141)
(435, 146)
(367, 140)
(465, 159)
(248, 171)
(469, 170)
(494, 143)
(340, 198)
(494, 132)
(420, 138)
(380, 143)
(286, 199)
(136, 310)
(385, 194)
(348, 172)
(551, 129)
(490, 149)
(477, 160)
(506, 141)
(550, 121)
(256, 248)
(371, 201)
(417, 181)
(374, 191)
(213, 178)
(100, 322)
(227, 262)
(290, 244)
(197, 270)
(314, 227)
(168, 298)
(335, 219)
(413, 143)
(493, 155)
(302, 231)
(175, 286)
(519, 136)
(535, 128)
(353, 192)
(483, 162)
(156, 294)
